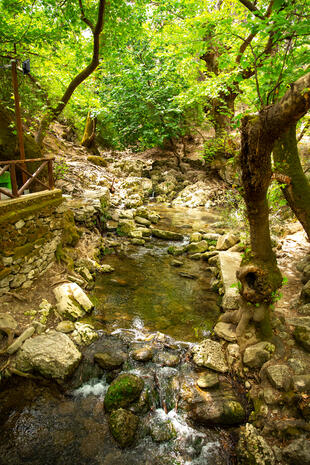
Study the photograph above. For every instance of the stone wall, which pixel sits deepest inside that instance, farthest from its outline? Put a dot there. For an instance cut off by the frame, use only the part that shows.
(30, 231)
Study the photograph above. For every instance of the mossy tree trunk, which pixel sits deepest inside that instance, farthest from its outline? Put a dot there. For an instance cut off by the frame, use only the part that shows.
(89, 135)
(259, 274)
(297, 191)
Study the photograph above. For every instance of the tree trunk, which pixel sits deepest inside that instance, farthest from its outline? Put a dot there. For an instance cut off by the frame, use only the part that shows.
(90, 133)
(256, 146)
(53, 113)
(287, 162)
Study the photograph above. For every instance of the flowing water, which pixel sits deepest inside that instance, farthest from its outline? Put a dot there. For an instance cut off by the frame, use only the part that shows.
(42, 423)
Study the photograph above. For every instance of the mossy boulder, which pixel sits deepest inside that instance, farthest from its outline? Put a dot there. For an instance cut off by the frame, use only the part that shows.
(253, 449)
(124, 390)
(302, 336)
(123, 426)
(97, 160)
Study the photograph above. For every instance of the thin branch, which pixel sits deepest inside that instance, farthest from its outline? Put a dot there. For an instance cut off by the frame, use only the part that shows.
(252, 8)
(83, 17)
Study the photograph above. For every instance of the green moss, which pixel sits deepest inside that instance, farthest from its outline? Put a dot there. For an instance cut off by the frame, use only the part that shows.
(71, 234)
(12, 215)
(233, 413)
(62, 256)
(96, 160)
(124, 390)
(4, 272)
(123, 426)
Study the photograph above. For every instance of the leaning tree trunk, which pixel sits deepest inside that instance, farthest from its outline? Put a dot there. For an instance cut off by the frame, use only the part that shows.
(53, 113)
(259, 275)
(297, 189)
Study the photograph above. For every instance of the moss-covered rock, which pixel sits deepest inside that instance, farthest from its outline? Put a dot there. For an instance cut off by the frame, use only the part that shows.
(97, 160)
(302, 336)
(70, 235)
(253, 449)
(123, 426)
(124, 390)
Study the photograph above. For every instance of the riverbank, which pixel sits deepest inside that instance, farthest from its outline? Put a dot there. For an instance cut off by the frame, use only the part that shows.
(179, 220)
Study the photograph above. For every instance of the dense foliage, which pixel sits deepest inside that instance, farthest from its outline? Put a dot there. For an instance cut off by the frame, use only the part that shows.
(165, 68)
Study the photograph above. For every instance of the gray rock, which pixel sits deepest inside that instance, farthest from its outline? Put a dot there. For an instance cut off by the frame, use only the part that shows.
(168, 235)
(110, 361)
(195, 237)
(226, 241)
(123, 426)
(19, 341)
(72, 302)
(229, 264)
(210, 354)
(125, 226)
(53, 355)
(298, 452)
(302, 336)
(166, 359)
(7, 321)
(252, 448)
(212, 407)
(279, 376)
(142, 354)
(255, 356)
(84, 334)
(301, 383)
(162, 430)
(143, 221)
(197, 247)
(208, 380)
(225, 331)
(65, 326)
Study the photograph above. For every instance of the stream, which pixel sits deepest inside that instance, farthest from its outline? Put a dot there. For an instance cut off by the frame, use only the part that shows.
(146, 302)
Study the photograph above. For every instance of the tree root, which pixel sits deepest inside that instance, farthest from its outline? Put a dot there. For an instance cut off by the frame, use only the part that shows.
(244, 316)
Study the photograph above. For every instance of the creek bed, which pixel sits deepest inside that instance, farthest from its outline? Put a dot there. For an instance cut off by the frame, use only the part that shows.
(44, 423)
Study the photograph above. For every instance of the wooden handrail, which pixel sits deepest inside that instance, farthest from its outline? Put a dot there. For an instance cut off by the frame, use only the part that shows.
(12, 165)
(14, 162)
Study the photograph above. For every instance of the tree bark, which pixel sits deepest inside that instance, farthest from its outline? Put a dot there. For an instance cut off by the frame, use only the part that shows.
(297, 191)
(259, 274)
(53, 113)
(89, 132)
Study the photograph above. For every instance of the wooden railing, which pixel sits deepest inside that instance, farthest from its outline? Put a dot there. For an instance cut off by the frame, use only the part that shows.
(13, 165)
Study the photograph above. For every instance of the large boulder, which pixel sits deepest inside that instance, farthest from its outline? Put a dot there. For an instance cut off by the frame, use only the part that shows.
(210, 354)
(213, 406)
(226, 241)
(167, 235)
(252, 448)
(198, 247)
(279, 376)
(225, 331)
(123, 426)
(298, 452)
(124, 390)
(72, 302)
(255, 356)
(53, 355)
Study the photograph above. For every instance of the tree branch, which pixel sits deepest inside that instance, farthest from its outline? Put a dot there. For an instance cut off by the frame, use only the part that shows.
(252, 8)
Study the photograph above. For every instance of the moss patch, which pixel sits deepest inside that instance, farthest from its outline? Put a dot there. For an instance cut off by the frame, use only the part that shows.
(96, 160)
(124, 390)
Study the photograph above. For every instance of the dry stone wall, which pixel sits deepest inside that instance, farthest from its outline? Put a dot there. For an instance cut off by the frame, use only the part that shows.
(31, 228)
